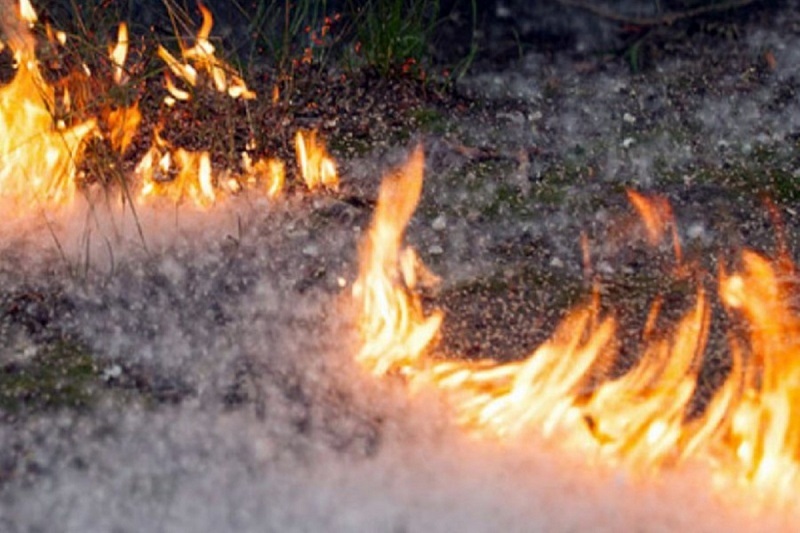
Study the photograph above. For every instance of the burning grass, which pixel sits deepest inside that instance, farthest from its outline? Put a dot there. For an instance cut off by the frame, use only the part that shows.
(47, 127)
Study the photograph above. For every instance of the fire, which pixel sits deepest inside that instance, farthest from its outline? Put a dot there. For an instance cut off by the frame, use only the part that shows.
(748, 431)
(38, 153)
(123, 125)
(201, 57)
(119, 52)
(316, 167)
(764, 426)
(271, 173)
(26, 12)
(393, 324)
(177, 174)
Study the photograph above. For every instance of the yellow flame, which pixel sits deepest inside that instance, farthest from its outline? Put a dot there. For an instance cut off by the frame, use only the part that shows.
(181, 70)
(176, 174)
(193, 180)
(175, 92)
(764, 425)
(40, 150)
(316, 167)
(27, 13)
(182, 175)
(55, 36)
(393, 325)
(271, 173)
(38, 155)
(201, 56)
(119, 52)
(748, 431)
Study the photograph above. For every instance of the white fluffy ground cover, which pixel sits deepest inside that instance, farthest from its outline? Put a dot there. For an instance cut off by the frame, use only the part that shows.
(250, 414)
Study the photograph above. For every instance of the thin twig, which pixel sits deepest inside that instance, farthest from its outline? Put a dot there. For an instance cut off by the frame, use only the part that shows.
(664, 19)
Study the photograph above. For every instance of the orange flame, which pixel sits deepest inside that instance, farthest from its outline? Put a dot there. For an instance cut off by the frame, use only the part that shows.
(189, 178)
(123, 124)
(119, 52)
(193, 178)
(201, 56)
(764, 429)
(316, 166)
(748, 431)
(38, 155)
(395, 329)
(270, 172)
(656, 214)
(182, 175)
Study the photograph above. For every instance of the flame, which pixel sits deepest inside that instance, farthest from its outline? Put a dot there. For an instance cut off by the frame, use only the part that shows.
(123, 124)
(176, 174)
(119, 52)
(748, 431)
(27, 13)
(316, 166)
(55, 36)
(193, 179)
(174, 91)
(182, 175)
(39, 151)
(395, 329)
(764, 429)
(656, 214)
(38, 154)
(201, 57)
(270, 172)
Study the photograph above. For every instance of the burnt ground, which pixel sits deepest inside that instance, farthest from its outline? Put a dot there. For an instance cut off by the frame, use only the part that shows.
(198, 375)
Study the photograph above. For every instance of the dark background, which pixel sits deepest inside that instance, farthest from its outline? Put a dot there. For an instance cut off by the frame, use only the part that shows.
(500, 30)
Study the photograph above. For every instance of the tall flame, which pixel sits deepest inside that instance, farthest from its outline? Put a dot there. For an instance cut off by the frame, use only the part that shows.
(395, 328)
(764, 429)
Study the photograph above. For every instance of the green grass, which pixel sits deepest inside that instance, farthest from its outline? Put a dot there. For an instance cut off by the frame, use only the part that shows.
(60, 374)
(394, 34)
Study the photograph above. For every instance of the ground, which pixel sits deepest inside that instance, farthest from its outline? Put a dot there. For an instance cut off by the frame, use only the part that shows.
(199, 375)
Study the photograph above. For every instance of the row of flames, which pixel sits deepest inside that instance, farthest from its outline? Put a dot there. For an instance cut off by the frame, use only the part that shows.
(749, 432)
(40, 154)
